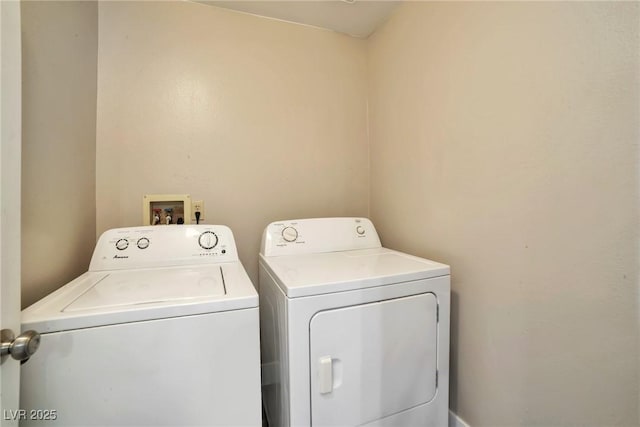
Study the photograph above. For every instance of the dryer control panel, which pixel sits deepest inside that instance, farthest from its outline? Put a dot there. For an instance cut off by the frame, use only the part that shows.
(317, 235)
(174, 245)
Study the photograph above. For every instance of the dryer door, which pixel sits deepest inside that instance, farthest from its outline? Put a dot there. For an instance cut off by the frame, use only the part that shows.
(373, 360)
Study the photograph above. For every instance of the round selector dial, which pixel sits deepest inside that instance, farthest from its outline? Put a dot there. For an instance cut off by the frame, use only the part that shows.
(208, 240)
(122, 244)
(143, 243)
(360, 230)
(289, 234)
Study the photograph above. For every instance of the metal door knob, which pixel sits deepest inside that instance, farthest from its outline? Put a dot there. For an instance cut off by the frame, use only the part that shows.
(21, 347)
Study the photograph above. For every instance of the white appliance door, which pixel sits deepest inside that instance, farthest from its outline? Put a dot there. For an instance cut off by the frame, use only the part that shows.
(373, 360)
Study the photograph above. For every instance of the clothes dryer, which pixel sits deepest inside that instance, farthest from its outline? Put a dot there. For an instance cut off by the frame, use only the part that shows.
(352, 334)
(162, 330)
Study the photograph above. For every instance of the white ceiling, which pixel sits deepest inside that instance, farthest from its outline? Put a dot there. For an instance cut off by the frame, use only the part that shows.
(358, 18)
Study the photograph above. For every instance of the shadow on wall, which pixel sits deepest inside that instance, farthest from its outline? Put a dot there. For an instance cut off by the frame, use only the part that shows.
(453, 350)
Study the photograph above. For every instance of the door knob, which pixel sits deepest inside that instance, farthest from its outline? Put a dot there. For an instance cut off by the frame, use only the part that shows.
(21, 347)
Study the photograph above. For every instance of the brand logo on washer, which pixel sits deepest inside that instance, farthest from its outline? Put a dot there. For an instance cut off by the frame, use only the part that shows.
(120, 256)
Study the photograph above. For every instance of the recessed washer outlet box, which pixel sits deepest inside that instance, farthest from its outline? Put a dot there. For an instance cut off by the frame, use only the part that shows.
(166, 209)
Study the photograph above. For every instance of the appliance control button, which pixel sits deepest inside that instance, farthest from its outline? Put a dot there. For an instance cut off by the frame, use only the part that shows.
(122, 244)
(143, 243)
(289, 234)
(360, 230)
(208, 240)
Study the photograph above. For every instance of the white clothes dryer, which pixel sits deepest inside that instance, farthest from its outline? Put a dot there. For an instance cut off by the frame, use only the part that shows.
(352, 334)
(162, 330)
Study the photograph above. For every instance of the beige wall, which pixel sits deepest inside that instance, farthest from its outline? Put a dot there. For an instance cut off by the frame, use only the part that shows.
(504, 141)
(503, 138)
(261, 119)
(59, 60)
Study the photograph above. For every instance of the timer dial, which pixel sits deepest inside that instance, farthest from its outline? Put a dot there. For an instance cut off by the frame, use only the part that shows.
(289, 234)
(360, 230)
(143, 243)
(122, 244)
(208, 240)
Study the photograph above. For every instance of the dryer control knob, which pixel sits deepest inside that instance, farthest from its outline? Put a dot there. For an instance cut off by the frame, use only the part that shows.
(360, 230)
(289, 234)
(208, 240)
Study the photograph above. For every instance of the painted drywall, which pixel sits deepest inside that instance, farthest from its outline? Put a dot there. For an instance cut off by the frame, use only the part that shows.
(261, 119)
(59, 72)
(504, 142)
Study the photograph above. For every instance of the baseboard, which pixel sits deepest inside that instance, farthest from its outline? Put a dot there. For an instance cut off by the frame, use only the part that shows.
(456, 421)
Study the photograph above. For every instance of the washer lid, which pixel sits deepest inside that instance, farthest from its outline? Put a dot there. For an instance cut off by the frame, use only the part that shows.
(107, 298)
(323, 273)
(126, 288)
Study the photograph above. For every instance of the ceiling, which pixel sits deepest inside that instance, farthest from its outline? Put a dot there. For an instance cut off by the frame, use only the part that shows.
(358, 18)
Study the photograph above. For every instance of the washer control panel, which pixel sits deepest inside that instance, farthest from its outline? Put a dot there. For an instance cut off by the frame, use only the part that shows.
(318, 235)
(144, 247)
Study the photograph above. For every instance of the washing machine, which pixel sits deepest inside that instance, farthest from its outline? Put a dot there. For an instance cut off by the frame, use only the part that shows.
(352, 333)
(162, 330)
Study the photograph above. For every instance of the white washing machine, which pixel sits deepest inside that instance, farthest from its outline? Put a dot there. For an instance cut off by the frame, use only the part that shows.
(352, 334)
(162, 330)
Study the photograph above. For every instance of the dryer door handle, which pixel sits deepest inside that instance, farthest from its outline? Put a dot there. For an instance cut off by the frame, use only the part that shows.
(325, 375)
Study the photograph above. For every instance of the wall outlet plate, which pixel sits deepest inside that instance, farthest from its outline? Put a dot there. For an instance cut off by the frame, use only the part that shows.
(197, 206)
(161, 209)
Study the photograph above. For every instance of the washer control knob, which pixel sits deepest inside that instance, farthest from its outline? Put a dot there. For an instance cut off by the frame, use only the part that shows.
(208, 240)
(143, 243)
(360, 230)
(122, 244)
(289, 234)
